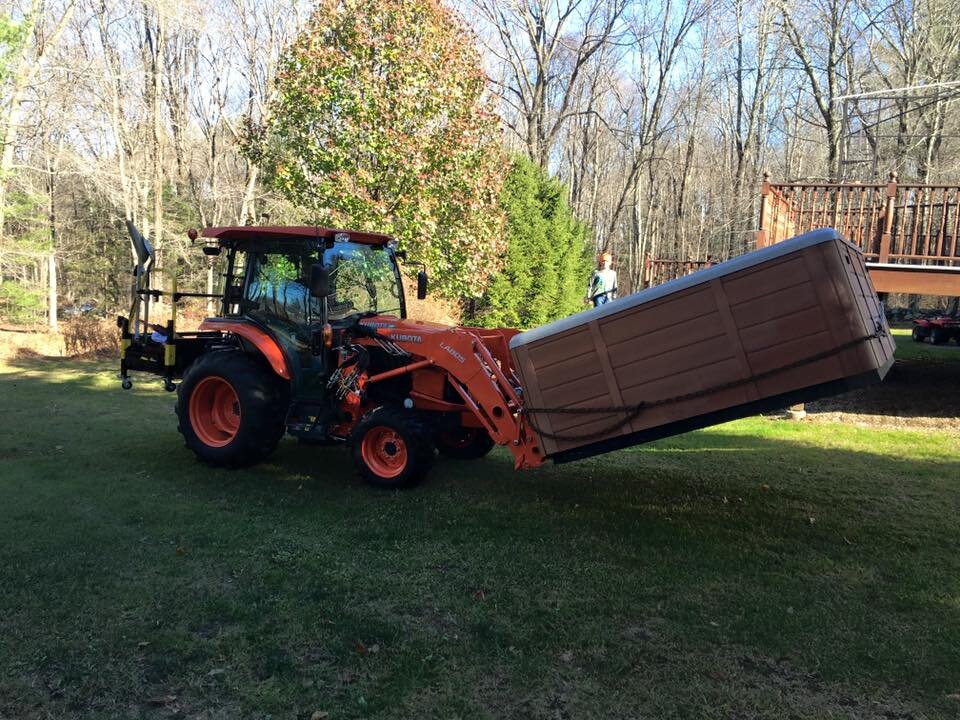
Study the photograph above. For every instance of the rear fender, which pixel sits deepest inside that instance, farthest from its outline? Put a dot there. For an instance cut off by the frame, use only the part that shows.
(261, 340)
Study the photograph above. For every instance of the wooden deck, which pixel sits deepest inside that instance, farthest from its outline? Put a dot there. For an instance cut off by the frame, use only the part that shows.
(907, 232)
(657, 271)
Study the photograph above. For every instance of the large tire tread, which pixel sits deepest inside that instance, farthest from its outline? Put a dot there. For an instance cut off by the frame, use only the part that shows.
(475, 443)
(416, 436)
(263, 401)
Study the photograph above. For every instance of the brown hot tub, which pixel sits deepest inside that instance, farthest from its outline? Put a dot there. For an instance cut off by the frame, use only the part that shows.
(790, 323)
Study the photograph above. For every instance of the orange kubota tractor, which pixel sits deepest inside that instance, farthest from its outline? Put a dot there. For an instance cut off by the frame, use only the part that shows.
(313, 339)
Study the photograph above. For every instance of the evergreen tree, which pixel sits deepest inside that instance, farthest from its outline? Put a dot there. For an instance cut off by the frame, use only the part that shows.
(547, 263)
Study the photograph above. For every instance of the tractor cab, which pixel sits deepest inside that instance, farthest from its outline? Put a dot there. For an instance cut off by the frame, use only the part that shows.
(283, 289)
(300, 290)
(269, 272)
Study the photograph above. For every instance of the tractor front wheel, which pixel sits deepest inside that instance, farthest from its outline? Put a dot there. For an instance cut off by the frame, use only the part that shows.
(464, 443)
(231, 409)
(918, 334)
(391, 448)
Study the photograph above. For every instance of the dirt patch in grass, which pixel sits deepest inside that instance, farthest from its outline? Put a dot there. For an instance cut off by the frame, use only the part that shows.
(761, 675)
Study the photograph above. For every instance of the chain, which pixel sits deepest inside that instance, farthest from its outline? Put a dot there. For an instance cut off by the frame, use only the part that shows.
(633, 411)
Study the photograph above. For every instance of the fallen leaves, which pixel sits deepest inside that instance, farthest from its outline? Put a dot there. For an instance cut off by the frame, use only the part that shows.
(365, 649)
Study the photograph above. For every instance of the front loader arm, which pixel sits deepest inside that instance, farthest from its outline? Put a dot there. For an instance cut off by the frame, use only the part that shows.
(478, 378)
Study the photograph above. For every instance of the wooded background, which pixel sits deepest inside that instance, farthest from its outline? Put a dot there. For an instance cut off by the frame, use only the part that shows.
(658, 119)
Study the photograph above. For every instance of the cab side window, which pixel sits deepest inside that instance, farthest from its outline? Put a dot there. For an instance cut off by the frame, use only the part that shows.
(279, 288)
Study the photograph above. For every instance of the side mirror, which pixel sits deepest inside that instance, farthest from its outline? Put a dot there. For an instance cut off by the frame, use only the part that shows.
(421, 285)
(319, 281)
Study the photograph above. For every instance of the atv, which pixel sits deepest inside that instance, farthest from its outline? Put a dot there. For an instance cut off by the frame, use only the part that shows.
(940, 329)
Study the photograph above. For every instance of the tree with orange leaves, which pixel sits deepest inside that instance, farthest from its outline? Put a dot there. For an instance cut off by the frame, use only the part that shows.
(382, 122)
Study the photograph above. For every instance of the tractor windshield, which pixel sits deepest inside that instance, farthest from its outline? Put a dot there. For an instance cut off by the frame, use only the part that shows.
(363, 279)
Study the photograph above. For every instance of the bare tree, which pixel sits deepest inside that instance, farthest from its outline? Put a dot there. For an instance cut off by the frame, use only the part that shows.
(823, 34)
(545, 47)
(44, 26)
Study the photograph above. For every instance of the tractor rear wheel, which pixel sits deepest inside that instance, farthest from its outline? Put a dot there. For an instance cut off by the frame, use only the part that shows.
(938, 336)
(918, 334)
(391, 448)
(231, 409)
(464, 443)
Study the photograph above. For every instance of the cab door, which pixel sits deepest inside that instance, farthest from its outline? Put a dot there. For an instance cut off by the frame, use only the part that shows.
(278, 299)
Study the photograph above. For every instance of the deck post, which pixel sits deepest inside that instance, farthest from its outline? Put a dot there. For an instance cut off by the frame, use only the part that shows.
(764, 211)
(888, 218)
(796, 412)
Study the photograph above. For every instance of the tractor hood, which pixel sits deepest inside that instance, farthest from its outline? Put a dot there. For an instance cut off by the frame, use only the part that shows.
(417, 332)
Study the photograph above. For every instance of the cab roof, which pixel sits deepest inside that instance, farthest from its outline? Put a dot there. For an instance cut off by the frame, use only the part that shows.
(242, 236)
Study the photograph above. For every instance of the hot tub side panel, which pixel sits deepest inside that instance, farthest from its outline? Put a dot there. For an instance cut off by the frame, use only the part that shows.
(733, 328)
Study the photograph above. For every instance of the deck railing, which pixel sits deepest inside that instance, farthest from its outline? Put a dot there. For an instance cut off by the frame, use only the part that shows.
(901, 223)
(657, 271)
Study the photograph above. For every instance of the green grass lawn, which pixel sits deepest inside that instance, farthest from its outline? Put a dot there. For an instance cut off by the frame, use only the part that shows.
(758, 569)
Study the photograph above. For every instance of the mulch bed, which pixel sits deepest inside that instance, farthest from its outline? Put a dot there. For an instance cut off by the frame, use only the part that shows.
(915, 395)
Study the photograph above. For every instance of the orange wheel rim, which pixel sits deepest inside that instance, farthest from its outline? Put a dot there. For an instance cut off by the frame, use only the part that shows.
(384, 451)
(215, 411)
